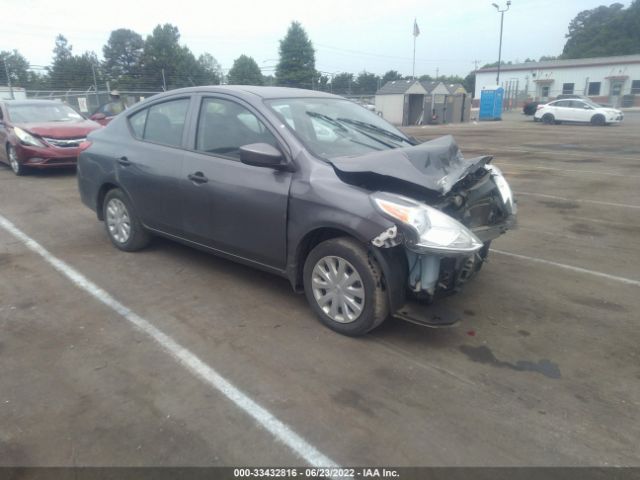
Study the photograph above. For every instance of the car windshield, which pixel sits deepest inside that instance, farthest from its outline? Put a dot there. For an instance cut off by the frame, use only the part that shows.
(50, 112)
(331, 127)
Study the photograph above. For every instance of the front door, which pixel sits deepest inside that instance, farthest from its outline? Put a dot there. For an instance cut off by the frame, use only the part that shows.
(235, 208)
(616, 93)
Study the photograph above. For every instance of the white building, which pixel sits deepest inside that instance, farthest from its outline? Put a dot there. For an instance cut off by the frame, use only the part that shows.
(609, 80)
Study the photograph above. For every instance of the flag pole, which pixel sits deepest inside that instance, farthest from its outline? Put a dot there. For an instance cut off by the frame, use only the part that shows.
(413, 72)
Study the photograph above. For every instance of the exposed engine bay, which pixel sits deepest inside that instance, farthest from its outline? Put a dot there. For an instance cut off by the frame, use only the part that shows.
(446, 210)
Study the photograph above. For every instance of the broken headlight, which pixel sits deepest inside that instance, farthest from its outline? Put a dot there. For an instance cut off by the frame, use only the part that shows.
(428, 229)
(503, 187)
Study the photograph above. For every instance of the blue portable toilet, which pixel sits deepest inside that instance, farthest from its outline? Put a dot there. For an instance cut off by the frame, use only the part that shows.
(491, 104)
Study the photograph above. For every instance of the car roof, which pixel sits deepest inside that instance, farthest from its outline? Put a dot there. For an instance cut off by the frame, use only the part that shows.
(253, 91)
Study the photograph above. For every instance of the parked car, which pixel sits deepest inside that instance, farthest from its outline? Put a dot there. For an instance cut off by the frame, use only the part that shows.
(302, 184)
(529, 108)
(41, 134)
(577, 110)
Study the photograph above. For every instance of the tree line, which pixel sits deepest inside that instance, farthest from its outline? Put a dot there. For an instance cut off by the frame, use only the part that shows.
(159, 61)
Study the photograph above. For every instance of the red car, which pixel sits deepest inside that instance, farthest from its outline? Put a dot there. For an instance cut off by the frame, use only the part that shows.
(41, 134)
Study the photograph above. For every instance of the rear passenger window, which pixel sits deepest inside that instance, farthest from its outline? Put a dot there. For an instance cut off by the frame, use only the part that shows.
(162, 123)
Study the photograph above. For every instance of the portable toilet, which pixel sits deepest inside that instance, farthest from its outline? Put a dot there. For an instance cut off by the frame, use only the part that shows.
(491, 104)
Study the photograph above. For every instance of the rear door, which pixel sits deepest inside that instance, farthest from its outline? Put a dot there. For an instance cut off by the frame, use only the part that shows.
(235, 208)
(150, 165)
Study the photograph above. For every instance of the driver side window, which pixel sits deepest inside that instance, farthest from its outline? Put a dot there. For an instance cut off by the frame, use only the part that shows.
(225, 126)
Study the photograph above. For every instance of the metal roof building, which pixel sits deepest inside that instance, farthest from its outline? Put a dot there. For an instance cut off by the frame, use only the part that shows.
(610, 80)
(414, 102)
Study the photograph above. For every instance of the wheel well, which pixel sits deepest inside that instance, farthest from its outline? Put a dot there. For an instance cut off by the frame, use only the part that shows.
(308, 243)
(101, 194)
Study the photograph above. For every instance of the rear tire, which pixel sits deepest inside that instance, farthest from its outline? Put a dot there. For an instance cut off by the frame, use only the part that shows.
(344, 286)
(548, 119)
(122, 224)
(598, 120)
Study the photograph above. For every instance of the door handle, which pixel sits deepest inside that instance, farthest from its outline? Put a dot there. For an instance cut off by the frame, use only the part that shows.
(197, 177)
(124, 161)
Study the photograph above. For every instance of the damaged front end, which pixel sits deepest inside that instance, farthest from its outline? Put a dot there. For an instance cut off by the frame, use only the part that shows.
(446, 211)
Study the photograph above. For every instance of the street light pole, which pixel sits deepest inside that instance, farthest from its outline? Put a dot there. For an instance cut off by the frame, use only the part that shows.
(501, 11)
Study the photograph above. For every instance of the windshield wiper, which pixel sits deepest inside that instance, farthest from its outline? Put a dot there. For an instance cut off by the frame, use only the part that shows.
(328, 119)
(374, 128)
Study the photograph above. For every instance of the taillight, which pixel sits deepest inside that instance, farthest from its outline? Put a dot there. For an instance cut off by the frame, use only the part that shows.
(84, 145)
(539, 107)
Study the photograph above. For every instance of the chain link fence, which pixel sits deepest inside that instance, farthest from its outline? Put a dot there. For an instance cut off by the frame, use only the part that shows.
(88, 101)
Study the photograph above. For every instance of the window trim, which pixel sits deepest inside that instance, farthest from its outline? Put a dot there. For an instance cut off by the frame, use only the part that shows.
(195, 118)
(187, 120)
(564, 90)
(597, 94)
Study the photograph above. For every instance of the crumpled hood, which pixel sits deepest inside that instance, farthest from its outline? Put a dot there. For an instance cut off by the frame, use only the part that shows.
(435, 165)
(60, 129)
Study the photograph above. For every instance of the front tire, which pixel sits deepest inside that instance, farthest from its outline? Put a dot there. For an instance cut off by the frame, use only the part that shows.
(123, 226)
(344, 287)
(598, 120)
(18, 168)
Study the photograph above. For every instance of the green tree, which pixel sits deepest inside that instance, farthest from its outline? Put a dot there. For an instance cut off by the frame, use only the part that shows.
(18, 67)
(164, 54)
(342, 83)
(210, 70)
(69, 71)
(122, 58)
(245, 71)
(469, 83)
(391, 76)
(367, 83)
(604, 31)
(297, 65)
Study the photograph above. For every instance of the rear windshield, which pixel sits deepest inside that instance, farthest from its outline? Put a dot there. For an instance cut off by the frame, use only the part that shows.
(331, 127)
(49, 112)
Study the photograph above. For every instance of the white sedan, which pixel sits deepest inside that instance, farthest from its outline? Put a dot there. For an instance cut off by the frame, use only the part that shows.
(577, 110)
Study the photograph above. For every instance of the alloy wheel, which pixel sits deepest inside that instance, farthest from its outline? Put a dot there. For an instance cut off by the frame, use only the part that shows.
(13, 160)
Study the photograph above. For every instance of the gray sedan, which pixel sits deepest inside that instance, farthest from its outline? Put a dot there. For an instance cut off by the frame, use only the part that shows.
(358, 216)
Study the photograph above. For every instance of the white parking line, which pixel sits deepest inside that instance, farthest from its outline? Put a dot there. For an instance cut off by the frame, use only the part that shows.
(553, 152)
(628, 281)
(187, 359)
(567, 170)
(596, 202)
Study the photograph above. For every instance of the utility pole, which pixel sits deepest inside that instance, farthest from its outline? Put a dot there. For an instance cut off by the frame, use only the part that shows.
(164, 81)
(501, 25)
(437, 73)
(6, 69)
(476, 63)
(95, 85)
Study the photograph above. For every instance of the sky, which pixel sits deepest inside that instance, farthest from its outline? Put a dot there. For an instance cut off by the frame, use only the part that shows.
(348, 35)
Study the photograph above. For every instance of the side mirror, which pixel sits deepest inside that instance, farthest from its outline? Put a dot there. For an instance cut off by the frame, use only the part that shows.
(587, 107)
(262, 155)
(98, 116)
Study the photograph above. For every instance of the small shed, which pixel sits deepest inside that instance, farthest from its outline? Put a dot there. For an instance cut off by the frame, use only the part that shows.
(414, 102)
